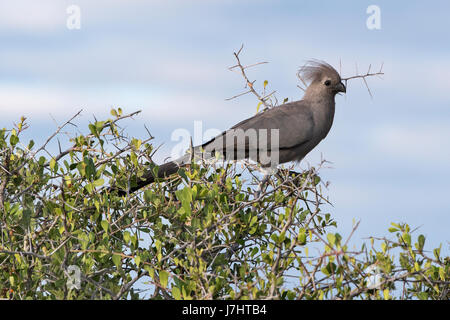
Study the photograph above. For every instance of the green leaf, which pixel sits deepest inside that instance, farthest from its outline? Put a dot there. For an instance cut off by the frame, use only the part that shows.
(442, 274)
(136, 143)
(148, 196)
(176, 293)
(163, 278)
(89, 187)
(396, 225)
(41, 160)
(126, 236)
(302, 237)
(416, 266)
(117, 259)
(99, 125)
(326, 271)
(93, 129)
(331, 238)
(185, 196)
(386, 294)
(150, 270)
(253, 220)
(13, 140)
(274, 237)
(258, 106)
(316, 180)
(90, 167)
(133, 158)
(422, 295)
(421, 242)
(52, 164)
(406, 237)
(105, 225)
(137, 260)
(98, 182)
(437, 252)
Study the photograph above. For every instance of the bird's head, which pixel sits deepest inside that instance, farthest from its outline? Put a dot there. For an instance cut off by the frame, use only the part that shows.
(323, 79)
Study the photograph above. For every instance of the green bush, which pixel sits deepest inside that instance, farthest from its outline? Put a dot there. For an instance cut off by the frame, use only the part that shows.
(203, 233)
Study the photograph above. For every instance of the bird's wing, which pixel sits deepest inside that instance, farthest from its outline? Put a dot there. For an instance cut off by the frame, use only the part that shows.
(293, 120)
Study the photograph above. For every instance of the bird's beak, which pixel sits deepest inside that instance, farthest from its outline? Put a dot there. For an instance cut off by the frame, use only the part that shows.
(341, 88)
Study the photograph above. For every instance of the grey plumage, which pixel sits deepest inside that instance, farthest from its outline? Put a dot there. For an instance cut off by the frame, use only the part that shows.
(301, 126)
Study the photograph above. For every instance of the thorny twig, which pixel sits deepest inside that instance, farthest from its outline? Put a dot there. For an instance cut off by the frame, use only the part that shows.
(73, 148)
(248, 83)
(364, 76)
(358, 75)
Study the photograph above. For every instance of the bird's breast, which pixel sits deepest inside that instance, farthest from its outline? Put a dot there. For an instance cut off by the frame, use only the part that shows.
(323, 120)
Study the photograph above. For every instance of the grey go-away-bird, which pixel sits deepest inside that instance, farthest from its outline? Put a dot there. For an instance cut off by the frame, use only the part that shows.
(281, 134)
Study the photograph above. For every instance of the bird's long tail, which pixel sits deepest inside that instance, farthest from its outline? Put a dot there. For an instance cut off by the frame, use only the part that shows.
(164, 170)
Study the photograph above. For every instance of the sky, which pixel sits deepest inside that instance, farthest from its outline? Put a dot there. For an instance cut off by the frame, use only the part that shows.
(390, 154)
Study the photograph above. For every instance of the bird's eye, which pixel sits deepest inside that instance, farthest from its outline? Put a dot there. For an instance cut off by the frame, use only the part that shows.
(327, 83)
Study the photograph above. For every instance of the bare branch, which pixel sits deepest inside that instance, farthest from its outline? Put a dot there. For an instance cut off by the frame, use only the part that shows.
(364, 76)
(73, 148)
(56, 132)
(248, 83)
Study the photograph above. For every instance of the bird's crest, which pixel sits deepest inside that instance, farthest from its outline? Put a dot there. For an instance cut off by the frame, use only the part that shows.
(315, 70)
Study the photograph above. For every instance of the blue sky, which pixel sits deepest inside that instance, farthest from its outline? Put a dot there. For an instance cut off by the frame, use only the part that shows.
(390, 154)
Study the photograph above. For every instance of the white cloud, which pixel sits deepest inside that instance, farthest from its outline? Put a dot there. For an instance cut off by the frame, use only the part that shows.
(416, 142)
(32, 16)
(39, 101)
(45, 16)
(411, 77)
(19, 100)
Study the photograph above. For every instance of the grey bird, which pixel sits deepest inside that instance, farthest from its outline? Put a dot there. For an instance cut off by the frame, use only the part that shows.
(299, 127)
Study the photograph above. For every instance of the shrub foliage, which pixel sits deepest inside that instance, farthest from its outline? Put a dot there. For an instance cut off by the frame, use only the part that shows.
(211, 231)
